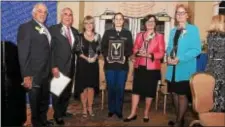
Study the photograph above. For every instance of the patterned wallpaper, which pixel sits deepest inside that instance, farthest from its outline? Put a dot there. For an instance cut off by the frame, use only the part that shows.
(16, 13)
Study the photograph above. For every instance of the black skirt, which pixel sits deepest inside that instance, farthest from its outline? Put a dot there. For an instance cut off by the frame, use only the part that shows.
(181, 87)
(145, 81)
(87, 76)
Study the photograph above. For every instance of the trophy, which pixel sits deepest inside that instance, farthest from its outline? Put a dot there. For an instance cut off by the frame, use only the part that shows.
(146, 42)
(143, 47)
(173, 53)
(116, 51)
(91, 52)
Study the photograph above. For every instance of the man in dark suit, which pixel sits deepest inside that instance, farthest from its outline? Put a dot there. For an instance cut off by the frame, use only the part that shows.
(64, 41)
(34, 50)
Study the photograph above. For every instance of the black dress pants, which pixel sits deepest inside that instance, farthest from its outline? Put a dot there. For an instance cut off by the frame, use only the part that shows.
(61, 103)
(39, 102)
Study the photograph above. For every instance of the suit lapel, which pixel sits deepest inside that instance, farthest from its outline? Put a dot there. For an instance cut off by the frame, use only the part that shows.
(153, 42)
(74, 34)
(62, 35)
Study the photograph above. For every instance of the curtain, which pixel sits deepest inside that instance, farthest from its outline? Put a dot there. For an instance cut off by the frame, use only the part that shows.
(134, 26)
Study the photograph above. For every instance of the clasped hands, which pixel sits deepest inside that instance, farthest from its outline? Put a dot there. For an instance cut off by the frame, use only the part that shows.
(27, 82)
(143, 53)
(91, 60)
(172, 61)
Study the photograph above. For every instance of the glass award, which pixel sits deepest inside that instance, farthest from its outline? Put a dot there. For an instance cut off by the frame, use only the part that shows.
(144, 46)
(116, 51)
(173, 53)
(91, 52)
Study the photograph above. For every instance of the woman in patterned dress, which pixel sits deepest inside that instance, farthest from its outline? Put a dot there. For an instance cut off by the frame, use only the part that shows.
(216, 60)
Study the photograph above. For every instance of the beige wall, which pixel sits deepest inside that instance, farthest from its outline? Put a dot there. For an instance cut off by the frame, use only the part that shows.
(75, 8)
(203, 11)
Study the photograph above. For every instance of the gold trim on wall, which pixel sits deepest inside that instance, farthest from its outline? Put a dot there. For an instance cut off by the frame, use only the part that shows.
(81, 15)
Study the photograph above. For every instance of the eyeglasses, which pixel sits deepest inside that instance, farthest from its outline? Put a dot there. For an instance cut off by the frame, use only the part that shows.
(86, 23)
(148, 22)
(180, 13)
(40, 11)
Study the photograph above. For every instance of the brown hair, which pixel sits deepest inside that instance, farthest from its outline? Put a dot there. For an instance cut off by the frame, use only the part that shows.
(146, 18)
(187, 9)
(217, 24)
(88, 18)
(121, 14)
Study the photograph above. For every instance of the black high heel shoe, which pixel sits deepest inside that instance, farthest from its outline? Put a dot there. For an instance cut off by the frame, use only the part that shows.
(171, 123)
(145, 120)
(130, 119)
(179, 123)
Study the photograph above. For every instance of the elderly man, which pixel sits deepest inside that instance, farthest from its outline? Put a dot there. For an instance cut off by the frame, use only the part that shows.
(34, 57)
(65, 39)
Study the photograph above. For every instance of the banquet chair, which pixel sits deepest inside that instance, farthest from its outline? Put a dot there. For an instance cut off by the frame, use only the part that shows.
(202, 87)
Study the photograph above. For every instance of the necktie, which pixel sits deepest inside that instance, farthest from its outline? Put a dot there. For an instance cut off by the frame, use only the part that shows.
(46, 32)
(68, 35)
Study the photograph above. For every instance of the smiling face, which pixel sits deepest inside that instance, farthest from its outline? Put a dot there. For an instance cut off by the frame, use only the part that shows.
(150, 24)
(89, 25)
(67, 17)
(118, 20)
(181, 15)
(40, 13)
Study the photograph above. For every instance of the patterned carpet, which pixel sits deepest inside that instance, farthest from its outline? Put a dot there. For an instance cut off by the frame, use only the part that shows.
(157, 118)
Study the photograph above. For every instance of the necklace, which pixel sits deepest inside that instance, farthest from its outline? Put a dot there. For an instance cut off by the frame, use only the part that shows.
(89, 37)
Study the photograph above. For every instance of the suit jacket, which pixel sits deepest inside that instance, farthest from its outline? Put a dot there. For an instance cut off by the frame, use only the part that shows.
(189, 47)
(34, 52)
(63, 54)
(156, 48)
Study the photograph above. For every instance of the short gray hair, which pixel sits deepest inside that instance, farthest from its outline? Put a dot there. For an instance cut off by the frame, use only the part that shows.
(66, 8)
(36, 5)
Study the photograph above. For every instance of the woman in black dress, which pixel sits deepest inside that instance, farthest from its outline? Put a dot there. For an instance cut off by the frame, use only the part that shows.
(87, 75)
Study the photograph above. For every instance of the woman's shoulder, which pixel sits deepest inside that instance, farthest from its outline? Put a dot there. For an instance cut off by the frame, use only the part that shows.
(159, 34)
(192, 27)
(140, 33)
(213, 34)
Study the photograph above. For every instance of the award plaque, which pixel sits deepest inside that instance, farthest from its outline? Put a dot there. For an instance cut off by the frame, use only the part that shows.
(116, 51)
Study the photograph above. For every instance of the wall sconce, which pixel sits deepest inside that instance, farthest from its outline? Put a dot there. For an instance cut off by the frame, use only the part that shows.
(163, 17)
(108, 14)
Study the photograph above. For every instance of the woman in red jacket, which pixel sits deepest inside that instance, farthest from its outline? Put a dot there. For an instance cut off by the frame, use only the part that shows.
(149, 49)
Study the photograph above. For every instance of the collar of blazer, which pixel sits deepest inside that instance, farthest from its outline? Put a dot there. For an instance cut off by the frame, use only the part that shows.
(184, 32)
(74, 32)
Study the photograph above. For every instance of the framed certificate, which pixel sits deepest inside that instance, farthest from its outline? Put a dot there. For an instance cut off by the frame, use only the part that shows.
(116, 51)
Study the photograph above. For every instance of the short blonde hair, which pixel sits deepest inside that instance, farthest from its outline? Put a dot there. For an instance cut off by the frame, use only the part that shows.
(187, 9)
(217, 24)
(89, 18)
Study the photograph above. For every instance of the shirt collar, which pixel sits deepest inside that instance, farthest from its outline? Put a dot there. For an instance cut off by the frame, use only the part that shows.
(40, 24)
(65, 27)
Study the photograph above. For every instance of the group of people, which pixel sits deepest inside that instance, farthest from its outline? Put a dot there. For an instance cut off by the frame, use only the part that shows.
(47, 52)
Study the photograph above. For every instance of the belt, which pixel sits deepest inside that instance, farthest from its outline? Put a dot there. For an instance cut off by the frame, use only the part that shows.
(217, 59)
